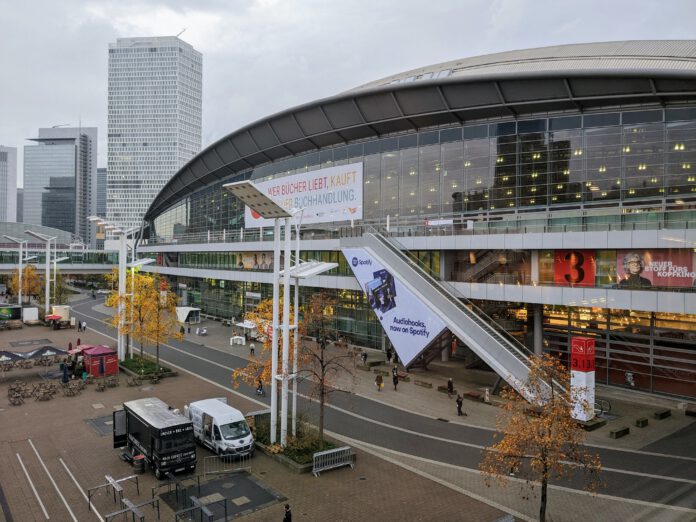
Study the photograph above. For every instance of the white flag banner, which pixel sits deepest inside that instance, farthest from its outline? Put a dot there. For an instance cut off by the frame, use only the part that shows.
(325, 195)
(409, 323)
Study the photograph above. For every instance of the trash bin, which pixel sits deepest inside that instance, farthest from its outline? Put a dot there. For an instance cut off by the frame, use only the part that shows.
(139, 464)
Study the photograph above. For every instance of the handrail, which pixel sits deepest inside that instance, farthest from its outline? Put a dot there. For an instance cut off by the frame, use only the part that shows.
(451, 294)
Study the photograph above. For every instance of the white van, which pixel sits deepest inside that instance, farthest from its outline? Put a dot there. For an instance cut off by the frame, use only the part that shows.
(220, 427)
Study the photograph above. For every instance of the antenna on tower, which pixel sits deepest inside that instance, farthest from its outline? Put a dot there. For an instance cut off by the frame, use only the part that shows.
(181, 32)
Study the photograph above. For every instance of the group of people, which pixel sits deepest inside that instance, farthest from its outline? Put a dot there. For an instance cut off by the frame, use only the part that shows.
(379, 381)
(82, 326)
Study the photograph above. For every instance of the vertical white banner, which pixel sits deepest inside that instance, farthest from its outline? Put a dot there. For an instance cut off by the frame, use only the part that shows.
(409, 323)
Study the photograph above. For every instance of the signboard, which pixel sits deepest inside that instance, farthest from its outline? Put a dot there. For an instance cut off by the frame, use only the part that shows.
(410, 324)
(582, 377)
(646, 268)
(574, 267)
(8, 313)
(326, 195)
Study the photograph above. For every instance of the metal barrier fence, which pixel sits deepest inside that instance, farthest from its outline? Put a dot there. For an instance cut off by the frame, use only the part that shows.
(220, 464)
(333, 458)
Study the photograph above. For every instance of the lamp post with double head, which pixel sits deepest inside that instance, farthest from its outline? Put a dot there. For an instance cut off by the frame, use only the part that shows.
(21, 243)
(259, 202)
(122, 234)
(47, 278)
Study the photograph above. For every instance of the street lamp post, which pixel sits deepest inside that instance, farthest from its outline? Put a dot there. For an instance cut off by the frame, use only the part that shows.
(47, 277)
(122, 234)
(21, 243)
(250, 195)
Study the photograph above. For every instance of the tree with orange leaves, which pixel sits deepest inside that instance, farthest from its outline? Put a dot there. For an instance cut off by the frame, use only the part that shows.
(31, 282)
(540, 442)
(259, 366)
(320, 366)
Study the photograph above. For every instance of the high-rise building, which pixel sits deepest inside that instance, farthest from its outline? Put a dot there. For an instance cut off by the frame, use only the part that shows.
(101, 192)
(154, 120)
(60, 180)
(20, 205)
(8, 183)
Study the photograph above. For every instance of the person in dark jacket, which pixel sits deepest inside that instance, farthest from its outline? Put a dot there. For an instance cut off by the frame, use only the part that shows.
(450, 387)
(287, 517)
(460, 401)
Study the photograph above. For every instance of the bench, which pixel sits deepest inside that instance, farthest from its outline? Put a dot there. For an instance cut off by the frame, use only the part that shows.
(403, 376)
(690, 410)
(423, 384)
(642, 422)
(473, 396)
(662, 414)
(330, 459)
(443, 389)
(619, 432)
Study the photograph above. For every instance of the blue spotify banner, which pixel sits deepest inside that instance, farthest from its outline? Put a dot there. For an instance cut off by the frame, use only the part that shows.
(409, 323)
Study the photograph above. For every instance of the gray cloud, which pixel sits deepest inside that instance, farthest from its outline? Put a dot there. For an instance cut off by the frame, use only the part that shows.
(263, 56)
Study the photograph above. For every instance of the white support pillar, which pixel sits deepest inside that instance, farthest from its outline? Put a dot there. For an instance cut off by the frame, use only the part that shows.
(274, 339)
(122, 262)
(286, 335)
(47, 279)
(21, 261)
(296, 344)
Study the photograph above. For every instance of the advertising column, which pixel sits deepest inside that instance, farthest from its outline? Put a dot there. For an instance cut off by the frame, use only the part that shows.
(582, 377)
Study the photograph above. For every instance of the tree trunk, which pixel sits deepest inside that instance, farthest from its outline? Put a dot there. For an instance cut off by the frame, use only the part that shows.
(158, 366)
(542, 506)
(322, 398)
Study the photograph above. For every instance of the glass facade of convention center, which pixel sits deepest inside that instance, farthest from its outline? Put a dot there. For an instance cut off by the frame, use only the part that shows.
(595, 160)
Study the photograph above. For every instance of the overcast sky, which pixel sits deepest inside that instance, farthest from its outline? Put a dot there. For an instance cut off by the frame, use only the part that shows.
(263, 56)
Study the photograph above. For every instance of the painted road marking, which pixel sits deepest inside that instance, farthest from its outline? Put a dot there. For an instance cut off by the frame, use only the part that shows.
(379, 423)
(79, 488)
(33, 488)
(52, 481)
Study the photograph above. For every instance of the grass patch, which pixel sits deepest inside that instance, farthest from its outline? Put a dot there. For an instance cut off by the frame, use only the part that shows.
(143, 365)
(301, 448)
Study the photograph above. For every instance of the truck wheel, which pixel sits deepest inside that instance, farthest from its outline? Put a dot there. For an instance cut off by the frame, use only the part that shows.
(158, 474)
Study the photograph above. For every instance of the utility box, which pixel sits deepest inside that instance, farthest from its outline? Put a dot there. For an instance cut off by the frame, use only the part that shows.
(30, 314)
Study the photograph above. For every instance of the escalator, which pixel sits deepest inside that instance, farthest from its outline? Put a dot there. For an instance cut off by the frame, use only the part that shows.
(502, 352)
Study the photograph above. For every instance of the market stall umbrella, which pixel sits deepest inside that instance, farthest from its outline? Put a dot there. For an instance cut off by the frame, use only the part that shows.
(45, 352)
(6, 356)
(53, 317)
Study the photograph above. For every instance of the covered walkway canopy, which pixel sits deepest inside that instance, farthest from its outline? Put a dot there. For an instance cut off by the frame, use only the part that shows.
(188, 314)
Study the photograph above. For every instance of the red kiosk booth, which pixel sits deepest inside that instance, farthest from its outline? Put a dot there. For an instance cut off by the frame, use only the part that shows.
(100, 361)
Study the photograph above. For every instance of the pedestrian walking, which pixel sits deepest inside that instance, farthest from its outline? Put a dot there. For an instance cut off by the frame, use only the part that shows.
(287, 517)
(189, 328)
(450, 387)
(84, 326)
(363, 356)
(460, 401)
(182, 331)
(379, 382)
(389, 355)
(395, 380)
(252, 350)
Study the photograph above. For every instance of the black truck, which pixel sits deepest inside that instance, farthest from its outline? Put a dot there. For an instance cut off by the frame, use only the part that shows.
(163, 436)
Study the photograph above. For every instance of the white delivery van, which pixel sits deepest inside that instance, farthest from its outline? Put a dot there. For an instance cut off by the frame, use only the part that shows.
(220, 427)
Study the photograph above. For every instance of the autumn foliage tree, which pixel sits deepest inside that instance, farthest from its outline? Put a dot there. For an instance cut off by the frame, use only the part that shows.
(31, 282)
(322, 367)
(543, 442)
(149, 317)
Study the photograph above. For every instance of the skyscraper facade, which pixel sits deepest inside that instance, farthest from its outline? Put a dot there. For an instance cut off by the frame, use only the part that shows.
(60, 180)
(20, 205)
(154, 120)
(8, 183)
(101, 192)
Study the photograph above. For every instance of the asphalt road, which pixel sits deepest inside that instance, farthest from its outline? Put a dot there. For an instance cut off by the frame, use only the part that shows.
(662, 479)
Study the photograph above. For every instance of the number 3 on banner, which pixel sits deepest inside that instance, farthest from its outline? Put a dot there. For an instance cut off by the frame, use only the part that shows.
(576, 260)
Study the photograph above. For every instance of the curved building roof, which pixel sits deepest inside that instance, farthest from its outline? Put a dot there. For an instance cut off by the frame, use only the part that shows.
(576, 77)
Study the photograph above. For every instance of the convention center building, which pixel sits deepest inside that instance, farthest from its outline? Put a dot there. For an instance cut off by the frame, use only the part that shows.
(541, 194)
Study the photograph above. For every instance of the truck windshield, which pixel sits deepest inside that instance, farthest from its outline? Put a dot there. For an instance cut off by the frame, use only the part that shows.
(175, 442)
(234, 430)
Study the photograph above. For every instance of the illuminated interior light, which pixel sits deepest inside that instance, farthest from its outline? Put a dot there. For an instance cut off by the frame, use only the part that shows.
(678, 146)
(594, 188)
(499, 160)
(602, 169)
(437, 167)
(467, 164)
(492, 207)
(588, 184)
(505, 178)
(618, 182)
(532, 201)
(511, 204)
(534, 189)
(686, 166)
(577, 152)
(485, 196)
(632, 191)
(577, 196)
(566, 172)
(508, 193)
(554, 198)
(411, 193)
(642, 166)
(627, 149)
(604, 194)
(534, 175)
(559, 187)
(454, 185)
(479, 181)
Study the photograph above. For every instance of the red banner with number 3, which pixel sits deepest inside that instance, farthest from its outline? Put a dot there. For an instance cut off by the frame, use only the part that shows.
(574, 267)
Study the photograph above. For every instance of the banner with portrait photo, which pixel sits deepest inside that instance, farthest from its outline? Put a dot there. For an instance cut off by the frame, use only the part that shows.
(661, 268)
(410, 324)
